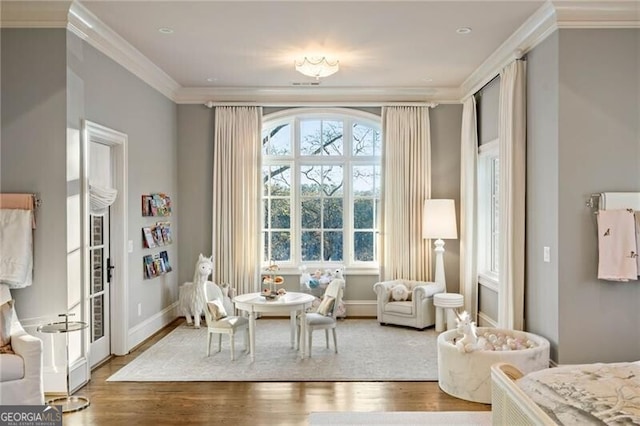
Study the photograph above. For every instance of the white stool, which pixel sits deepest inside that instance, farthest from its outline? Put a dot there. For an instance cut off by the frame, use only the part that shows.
(448, 301)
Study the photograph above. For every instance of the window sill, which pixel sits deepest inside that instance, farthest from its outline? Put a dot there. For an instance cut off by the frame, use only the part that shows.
(489, 280)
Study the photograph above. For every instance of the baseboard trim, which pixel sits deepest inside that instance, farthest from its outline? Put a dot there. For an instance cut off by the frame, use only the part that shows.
(151, 325)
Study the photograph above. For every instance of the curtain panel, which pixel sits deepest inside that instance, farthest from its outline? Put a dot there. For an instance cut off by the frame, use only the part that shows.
(512, 132)
(237, 162)
(469, 206)
(406, 171)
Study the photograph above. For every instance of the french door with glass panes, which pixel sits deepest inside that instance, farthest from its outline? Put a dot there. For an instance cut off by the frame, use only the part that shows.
(99, 288)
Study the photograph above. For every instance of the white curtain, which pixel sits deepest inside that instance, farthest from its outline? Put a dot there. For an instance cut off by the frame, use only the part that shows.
(406, 171)
(236, 197)
(469, 206)
(512, 132)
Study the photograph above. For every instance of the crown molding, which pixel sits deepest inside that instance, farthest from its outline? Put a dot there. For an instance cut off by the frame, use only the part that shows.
(99, 35)
(34, 14)
(566, 14)
(553, 15)
(598, 14)
(336, 95)
(535, 29)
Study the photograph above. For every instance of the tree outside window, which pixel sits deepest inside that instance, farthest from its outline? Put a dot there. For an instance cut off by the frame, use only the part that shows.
(321, 189)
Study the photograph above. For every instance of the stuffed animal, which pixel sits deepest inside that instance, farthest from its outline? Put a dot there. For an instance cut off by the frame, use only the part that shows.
(400, 292)
(191, 299)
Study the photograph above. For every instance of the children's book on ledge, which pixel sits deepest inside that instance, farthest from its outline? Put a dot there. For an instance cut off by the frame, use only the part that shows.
(156, 205)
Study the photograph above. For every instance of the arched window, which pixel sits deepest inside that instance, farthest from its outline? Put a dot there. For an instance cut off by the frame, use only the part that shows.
(321, 187)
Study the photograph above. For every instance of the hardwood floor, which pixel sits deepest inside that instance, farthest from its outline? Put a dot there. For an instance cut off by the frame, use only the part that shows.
(244, 403)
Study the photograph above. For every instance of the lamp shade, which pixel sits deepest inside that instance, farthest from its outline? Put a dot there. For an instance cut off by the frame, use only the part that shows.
(439, 219)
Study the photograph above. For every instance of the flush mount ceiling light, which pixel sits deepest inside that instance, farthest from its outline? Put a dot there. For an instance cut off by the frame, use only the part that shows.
(317, 66)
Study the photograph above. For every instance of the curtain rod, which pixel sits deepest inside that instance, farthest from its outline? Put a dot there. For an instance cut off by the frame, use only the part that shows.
(211, 104)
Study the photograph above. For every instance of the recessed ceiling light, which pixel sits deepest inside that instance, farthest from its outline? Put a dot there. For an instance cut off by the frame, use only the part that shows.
(463, 30)
(165, 30)
(427, 80)
(212, 79)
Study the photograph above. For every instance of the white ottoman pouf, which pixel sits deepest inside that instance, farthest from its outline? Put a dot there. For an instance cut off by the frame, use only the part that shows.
(467, 375)
(448, 302)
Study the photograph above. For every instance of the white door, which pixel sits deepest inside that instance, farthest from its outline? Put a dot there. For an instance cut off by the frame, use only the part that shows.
(101, 166)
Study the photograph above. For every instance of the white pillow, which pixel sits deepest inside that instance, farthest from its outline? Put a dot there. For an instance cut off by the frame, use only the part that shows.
(216, 308)
(400, 292)
(326, 306)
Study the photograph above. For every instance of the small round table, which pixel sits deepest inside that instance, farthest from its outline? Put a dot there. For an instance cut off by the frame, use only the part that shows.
(291, 302)
(69, 403)
(448, 301)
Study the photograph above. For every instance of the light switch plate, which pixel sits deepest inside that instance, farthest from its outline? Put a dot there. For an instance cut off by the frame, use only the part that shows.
(546, 254)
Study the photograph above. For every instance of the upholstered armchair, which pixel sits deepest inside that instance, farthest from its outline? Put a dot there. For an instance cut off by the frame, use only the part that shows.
(20, 372)
(417, 311)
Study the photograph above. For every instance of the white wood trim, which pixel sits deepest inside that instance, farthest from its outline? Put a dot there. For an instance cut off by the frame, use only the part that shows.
(535, 29)
(485, 320)
(151, 325)
(549, 17)
(119, 230)
(328, 96)
(107, 41)
(41, 14)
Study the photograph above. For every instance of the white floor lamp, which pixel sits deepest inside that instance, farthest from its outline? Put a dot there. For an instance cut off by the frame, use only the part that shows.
(439, 222)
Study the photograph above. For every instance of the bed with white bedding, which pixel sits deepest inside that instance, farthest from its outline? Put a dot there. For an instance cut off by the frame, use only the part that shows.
(600, 393)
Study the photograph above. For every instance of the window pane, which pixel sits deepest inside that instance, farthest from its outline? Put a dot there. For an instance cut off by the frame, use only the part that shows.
(332, 141)
(332, 218)
(333, 180)
(266, 172)
(310, 142)
(310, 180)
(363, 214)
(332, 246)
(280, 246)
(265, 246)
(97, 274)
(366, 140)
(364, 181)
(280, 213)
(363, 245)
(277, 140)
(321, 137)
(310, 213)
(266, 209)
(281, 180)
(310, 245)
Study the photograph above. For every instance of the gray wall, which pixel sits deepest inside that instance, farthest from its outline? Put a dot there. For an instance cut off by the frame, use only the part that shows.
(487, 100)
(195, 159)
(50, 80)
(596, 93)
(195, 180)
(541, 313)
(446, 121)
(33, 156)
(104, 92)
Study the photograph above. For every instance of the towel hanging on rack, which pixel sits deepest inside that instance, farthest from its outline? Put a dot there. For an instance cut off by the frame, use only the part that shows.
(16, 248)
(21, 202)
(617, 249)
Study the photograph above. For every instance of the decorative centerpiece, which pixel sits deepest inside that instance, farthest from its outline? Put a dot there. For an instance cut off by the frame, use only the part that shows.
(271, 280)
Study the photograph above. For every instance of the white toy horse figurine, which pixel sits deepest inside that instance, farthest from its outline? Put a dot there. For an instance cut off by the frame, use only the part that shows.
(469, 342)
(192, 299)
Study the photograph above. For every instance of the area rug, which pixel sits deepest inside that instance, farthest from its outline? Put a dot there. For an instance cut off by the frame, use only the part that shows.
(475, 418)
(367, 351)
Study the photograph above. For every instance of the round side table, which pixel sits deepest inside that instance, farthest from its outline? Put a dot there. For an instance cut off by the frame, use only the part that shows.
(69, 403)
(448, 302)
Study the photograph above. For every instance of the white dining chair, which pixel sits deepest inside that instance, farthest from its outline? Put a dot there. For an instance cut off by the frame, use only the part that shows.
(218, 322)
(325, 316)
